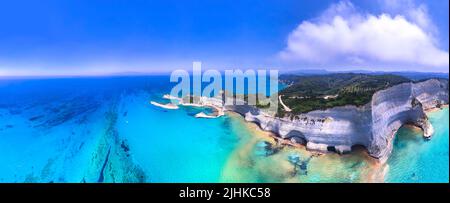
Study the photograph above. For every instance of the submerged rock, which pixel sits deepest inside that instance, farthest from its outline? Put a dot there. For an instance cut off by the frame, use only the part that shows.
(125, 146)
(101, 175)
(35, 118)
(265, 148)
(294, 158)
(68, 110)
(300, 166)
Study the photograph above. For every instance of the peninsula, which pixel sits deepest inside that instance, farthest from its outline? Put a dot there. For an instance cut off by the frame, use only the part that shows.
(334, 113)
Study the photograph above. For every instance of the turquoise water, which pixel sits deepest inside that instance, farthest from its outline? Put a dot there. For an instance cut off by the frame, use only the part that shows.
(105, 130)
(174, 146)
(417, 160)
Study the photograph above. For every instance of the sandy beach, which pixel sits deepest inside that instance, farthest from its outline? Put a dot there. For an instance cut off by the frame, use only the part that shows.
(436, 109)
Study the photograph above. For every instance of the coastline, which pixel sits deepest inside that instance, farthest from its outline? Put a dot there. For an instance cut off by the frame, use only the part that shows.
(417, 160)
(164, 106)
(218, 111)
(369, 169)
(291, 143)
(177, 153)
(354, 125)
(435, 109)
(261, 133)
(310, 146)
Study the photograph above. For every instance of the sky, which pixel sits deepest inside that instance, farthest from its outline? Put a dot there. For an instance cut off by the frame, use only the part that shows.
(93, 37)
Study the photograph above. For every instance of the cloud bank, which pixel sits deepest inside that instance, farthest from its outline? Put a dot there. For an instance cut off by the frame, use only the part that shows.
(342, 35)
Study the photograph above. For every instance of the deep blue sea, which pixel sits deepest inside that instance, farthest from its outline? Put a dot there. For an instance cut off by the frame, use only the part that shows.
(103, 129)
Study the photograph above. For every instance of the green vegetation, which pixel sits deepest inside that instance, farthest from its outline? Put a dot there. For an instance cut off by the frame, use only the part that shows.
(308, 93)
(262, 102)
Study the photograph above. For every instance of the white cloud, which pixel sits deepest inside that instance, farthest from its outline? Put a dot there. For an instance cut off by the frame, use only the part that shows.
(416, 13)
(343, 35)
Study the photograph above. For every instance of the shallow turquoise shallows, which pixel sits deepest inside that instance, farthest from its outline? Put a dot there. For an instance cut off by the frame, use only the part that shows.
(104, 129)
(417, 160)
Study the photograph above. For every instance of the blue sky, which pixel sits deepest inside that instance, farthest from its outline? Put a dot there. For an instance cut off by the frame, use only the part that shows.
(100, 37)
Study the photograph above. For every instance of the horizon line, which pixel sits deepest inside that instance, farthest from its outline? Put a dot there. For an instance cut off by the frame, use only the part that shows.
(163, 73)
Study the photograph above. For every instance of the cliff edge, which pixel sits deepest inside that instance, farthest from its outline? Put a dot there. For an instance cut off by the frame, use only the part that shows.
(373, 125)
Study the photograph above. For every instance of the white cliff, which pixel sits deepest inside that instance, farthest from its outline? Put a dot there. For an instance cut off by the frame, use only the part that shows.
(372, 126)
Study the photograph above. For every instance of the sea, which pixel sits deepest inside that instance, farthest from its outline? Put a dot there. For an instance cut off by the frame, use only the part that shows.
(104, 129)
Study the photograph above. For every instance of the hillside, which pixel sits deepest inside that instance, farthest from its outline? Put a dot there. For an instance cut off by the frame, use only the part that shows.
(308, 93)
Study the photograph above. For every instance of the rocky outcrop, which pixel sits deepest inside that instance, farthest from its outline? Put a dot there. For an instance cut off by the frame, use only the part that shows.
(403, 104)
(373, 125)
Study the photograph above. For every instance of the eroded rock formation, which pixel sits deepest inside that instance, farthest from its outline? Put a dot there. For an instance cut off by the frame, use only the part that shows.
(373, 125)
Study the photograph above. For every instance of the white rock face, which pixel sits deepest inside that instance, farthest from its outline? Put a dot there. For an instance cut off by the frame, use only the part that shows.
(373, 125)
(399, 105)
